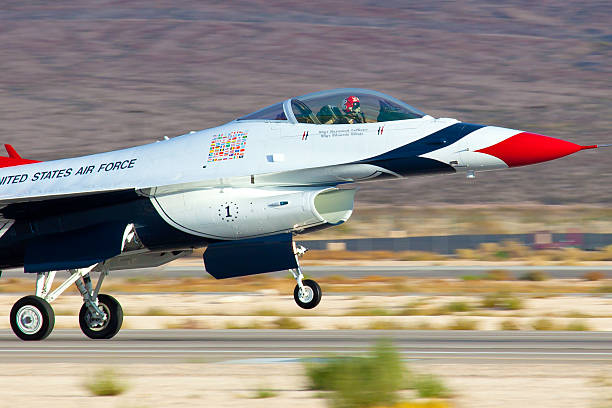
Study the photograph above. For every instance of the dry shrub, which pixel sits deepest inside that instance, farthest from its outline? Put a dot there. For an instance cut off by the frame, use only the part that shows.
(594, 276)
(463, 324)
(492, 251)
(603, 289)
(509, 325)
(515, 249)
(286, 323)
(378, 324)
(373, 255)
(466, 253)
(420, 256)
(603, 255)
(253, 325)
(577, 315)
(502, 300)
(430, 403)
(349, 255)
(499, 275)
(156, 311)
(186, 324)
(535, 276)
(411, 309)
(543, 324)
(489, 247)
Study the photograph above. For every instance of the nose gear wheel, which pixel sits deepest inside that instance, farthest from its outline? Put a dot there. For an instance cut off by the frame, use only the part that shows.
(309, 295)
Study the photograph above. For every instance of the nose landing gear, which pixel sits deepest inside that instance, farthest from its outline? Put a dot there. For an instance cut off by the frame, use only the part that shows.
(307, 293)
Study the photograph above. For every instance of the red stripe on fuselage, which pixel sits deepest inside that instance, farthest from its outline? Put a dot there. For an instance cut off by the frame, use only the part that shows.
(530, 148)
(10, 162)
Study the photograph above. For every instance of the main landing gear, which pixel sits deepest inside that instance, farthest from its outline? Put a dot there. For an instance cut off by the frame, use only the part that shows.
(101, 316)
(307, 293)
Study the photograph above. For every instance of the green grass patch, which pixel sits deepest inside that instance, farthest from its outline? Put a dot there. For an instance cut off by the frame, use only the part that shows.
(262, 393)
(458, 307)
(429, 386)
(359, 382)
(577, 325)
(106, 382)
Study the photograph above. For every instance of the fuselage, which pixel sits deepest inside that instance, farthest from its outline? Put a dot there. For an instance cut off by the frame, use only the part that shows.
(244, 179)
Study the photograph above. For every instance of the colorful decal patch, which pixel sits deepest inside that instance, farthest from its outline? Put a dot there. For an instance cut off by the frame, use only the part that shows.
(227, 146)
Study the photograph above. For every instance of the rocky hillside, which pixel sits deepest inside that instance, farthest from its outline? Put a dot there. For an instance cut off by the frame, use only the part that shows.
(86, 76)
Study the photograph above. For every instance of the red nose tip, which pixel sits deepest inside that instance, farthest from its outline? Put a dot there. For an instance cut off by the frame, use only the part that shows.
(530, 148)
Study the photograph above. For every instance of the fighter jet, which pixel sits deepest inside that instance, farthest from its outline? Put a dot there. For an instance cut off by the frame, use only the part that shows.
(242, 190)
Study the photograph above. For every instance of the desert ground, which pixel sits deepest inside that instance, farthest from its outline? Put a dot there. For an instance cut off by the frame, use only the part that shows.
(266, 309)
(235, 385)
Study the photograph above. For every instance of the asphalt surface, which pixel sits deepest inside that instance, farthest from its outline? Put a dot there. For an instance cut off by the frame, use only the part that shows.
(562, 272)
(280, 346)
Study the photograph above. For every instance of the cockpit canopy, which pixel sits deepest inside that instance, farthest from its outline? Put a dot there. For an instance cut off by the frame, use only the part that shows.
(336, 106)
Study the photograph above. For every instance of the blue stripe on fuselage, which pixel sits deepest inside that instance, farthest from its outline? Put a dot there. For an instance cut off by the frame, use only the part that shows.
(405, 160)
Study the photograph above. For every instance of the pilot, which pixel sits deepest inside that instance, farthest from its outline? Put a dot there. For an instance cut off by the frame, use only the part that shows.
(352, 110)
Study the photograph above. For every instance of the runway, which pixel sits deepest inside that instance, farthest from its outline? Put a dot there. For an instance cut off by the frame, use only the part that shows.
(279, 346)
(560, 272)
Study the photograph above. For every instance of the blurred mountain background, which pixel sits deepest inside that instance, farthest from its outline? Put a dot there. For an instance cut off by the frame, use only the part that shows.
(80, 77)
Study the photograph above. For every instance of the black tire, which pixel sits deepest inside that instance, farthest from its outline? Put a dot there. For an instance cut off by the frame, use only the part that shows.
(114, 319)
(32, 318)
(313, 297)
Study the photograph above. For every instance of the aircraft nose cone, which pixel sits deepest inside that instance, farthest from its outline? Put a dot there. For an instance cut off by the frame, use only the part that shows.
(530, 148)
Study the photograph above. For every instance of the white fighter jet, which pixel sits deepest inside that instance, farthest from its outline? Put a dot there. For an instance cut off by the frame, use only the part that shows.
(243, 190)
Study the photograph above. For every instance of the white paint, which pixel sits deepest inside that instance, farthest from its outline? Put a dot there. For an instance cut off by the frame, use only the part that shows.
(233, 213)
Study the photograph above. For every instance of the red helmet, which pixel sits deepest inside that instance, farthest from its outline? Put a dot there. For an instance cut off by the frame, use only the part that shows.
(351, 104)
